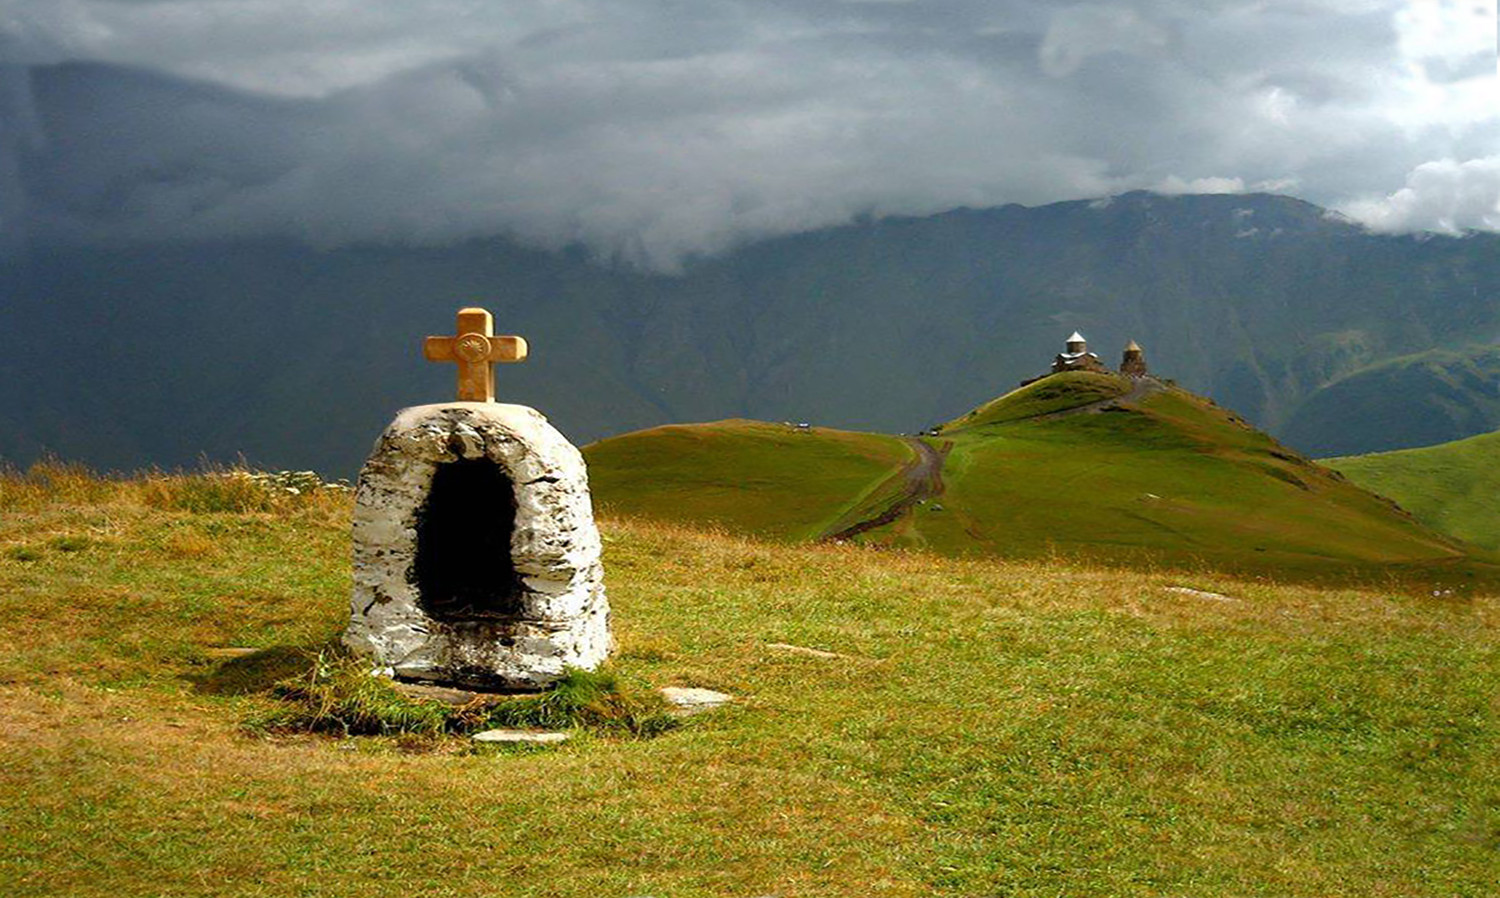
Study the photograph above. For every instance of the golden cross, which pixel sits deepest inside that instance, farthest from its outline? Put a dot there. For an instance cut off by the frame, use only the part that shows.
(475, 349)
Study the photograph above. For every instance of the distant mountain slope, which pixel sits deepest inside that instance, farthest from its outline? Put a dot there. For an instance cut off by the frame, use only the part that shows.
(1083, 465)
(1453, 488)
(130, 354)
(1416, 400)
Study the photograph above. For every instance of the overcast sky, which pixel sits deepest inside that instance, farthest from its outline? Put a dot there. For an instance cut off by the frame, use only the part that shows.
(651, 129)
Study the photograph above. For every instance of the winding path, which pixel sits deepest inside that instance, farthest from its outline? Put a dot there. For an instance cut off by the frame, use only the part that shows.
(921, 479)
(1139, 389)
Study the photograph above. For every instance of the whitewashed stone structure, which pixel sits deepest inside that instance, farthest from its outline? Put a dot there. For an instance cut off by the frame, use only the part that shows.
(476, 558)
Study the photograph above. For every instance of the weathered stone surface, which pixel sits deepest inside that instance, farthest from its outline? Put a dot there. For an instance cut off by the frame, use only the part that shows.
(692, 700)
(558, 614)
(521, 736)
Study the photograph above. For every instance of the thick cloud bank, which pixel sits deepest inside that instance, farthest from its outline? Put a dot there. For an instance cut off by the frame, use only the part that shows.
(1447, 196)
(655, 129)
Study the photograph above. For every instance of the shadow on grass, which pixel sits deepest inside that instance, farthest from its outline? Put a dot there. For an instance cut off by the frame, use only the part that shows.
(257, 672)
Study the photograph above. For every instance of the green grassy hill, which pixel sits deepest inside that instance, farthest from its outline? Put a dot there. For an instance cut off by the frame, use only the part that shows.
(1085, 466)
(1051, 394)
(1452, 487)
(770, 480)
(973, 726)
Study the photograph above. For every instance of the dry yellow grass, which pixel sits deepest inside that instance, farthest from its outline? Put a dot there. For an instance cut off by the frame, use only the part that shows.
(989, 727)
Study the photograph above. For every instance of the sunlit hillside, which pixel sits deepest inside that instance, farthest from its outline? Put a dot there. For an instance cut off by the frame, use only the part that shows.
(1080, 465)
(1452, 487)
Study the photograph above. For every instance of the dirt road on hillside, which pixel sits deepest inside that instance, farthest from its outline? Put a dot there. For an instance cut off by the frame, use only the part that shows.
(919, 480)
(1140, 389)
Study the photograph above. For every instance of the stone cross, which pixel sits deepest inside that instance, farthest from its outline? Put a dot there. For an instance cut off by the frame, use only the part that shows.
(475, 349)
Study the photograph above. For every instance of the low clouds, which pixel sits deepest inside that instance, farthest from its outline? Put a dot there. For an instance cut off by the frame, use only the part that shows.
(1174, 186)
(652, 130)
(1446, 196)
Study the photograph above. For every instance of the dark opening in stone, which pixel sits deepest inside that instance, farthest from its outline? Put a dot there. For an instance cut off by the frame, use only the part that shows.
(463, 569)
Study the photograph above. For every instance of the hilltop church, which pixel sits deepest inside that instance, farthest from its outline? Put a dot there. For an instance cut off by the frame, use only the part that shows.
(1076, 357)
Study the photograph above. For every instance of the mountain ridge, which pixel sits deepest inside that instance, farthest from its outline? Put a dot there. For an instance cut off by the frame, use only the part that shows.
(1411, 401)
(296, 357)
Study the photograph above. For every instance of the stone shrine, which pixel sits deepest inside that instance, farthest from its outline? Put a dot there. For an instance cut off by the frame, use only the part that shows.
(476, 559)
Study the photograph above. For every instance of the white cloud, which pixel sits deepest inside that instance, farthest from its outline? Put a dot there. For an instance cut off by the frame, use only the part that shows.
(1446, 196)
(1173, 185)
(1275, 185)
(1451, 30)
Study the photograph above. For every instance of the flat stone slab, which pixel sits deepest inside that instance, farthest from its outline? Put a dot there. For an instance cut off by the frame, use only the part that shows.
(804, 650)
(692, 700)
(521, 737)
(1201, 594)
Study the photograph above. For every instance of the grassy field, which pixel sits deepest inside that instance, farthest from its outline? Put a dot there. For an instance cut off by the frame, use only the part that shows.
(986, 728)
(1451, 487)
(1160, 477)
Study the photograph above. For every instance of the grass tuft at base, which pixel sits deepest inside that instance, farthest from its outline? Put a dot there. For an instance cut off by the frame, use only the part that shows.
(339, 695)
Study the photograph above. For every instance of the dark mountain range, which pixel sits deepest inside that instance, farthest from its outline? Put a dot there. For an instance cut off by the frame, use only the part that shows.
(154, 355)
(1418, 400)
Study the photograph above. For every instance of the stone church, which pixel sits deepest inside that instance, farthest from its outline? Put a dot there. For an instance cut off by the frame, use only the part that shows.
(1076, 357)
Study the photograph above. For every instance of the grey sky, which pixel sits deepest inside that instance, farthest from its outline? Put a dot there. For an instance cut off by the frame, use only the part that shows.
(651, 129)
